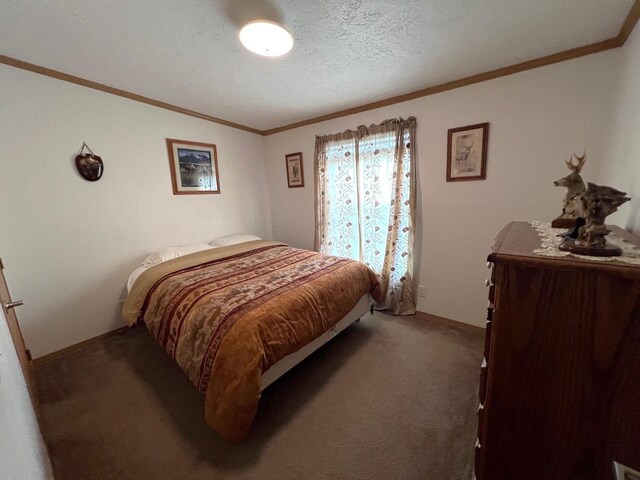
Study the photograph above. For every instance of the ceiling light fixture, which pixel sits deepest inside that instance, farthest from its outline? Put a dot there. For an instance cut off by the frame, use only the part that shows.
(266, 38)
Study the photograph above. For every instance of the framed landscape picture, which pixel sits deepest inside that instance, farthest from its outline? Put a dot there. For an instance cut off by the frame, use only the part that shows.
(295, 173)
(467, 153)
(194, 167)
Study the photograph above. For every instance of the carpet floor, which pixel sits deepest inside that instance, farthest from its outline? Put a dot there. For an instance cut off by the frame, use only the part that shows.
(389, 398)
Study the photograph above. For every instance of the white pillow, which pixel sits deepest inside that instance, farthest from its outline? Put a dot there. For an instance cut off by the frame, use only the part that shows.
(170, 253)
(134, 276)
(233, 239)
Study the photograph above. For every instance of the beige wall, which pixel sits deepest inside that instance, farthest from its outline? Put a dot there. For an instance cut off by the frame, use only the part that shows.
(69, 245)
(537, 118)
(622, 167)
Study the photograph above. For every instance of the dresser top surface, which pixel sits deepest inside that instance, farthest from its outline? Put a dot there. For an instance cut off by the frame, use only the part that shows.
(517, 241)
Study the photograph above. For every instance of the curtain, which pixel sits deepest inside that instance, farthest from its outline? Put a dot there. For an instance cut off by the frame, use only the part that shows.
(365, 203)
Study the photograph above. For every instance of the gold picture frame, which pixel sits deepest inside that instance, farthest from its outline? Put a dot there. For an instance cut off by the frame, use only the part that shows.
(194, 167)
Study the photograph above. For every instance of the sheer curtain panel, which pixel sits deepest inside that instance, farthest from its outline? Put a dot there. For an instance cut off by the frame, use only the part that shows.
(365, 203)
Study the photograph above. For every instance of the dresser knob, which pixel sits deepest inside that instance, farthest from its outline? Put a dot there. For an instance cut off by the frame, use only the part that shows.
(487, 282)
(489, 264)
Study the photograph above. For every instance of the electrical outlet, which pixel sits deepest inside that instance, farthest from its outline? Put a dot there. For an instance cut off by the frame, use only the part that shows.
(422, 291)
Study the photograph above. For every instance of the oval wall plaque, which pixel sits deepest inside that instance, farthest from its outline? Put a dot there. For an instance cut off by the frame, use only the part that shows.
(90, 166)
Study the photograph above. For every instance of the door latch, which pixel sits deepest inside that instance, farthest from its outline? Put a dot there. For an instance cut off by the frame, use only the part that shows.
(10, 305)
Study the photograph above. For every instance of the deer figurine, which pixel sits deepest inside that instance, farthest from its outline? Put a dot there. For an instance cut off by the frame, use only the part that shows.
(575, 186)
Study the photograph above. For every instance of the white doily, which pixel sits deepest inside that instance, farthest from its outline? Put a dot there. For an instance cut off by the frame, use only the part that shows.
(551, 241)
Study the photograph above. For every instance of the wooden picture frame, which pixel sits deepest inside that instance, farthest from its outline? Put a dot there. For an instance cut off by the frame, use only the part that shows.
(467, 152)
(194, 167)
(295, 170)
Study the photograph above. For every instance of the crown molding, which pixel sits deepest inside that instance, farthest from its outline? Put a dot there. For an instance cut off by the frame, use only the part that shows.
(623, 35)
(14, 62)
(629, 24)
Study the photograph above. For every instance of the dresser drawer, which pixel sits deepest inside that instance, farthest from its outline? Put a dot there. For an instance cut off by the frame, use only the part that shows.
(490, 282)
(487, 337)
(482, 391)
(480, 423)
(478, 461)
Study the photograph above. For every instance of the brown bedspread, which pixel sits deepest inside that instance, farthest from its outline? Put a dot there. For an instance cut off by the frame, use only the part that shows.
(228, 314)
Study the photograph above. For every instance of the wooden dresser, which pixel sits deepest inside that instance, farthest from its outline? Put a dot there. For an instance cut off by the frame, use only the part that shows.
(560, 381)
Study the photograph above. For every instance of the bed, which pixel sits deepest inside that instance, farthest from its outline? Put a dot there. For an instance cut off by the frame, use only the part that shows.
(237, 317)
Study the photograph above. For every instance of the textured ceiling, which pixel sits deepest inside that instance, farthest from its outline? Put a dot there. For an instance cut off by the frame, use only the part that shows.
(347, 52)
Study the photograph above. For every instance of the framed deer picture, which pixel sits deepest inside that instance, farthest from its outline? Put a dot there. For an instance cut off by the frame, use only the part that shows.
(467, 152)
(295, 173)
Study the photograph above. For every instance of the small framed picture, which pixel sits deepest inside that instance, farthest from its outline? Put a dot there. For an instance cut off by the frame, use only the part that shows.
(467, 153)
(194, 167)
(295, 173)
